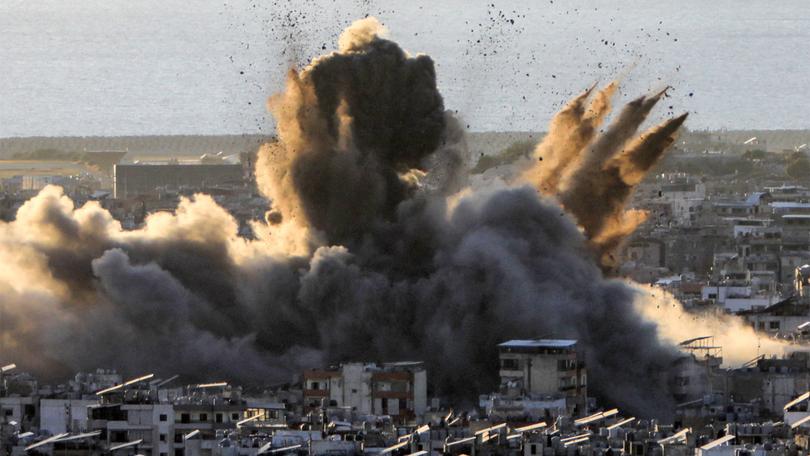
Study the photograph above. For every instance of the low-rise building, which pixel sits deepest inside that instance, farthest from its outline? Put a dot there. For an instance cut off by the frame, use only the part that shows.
(544, 368)
(396, 389)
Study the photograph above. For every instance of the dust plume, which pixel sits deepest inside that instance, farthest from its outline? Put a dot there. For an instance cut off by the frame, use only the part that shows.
(740, 342)
(594, 175)
(373, 248)
(569, 132)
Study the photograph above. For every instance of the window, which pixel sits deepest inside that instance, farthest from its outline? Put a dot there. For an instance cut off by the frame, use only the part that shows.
(163, 417)
(534, 448)
(185, 418)
(510, 364)
(178, 437)
(774, 325)
(218, 417)
(354, 390)
(203, 417)
(566, 364)
(234, 416)
(316, 385)
(162, 437)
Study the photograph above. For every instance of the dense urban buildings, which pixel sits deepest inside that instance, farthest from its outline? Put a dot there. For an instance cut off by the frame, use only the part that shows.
(737, 245)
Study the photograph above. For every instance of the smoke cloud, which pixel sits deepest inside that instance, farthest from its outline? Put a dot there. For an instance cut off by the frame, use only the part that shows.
(351, 125)
(740, 342)
(373, 248)
(593, 176)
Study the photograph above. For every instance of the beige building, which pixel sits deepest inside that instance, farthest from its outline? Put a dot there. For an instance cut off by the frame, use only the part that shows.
(544, 368)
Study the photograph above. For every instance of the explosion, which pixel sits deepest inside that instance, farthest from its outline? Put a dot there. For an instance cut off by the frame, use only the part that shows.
(374, 248)
(593, 177)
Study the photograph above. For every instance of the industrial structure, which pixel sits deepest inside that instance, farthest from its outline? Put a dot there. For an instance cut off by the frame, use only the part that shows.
(144, 179)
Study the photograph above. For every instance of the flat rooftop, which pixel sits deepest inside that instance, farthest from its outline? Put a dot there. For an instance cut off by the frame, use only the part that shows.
(539, 343)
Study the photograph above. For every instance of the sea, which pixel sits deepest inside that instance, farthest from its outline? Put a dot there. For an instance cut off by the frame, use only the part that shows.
(148, 67)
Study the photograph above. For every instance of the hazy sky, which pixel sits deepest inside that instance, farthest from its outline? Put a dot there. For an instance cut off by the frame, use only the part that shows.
(114, 67)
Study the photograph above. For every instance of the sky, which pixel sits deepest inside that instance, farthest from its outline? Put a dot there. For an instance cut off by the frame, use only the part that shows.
(122, 67)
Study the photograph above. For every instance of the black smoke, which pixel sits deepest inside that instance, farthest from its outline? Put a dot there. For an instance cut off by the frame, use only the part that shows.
(371, 254)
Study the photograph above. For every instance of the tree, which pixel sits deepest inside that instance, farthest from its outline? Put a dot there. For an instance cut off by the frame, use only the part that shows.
(756, 154)
(799, 168)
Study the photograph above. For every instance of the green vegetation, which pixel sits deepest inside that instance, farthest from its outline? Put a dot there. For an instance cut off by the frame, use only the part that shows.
(509, 155)
(709, 165)
(757, 154)
(97, 161)
(50, 154)
(798, 166)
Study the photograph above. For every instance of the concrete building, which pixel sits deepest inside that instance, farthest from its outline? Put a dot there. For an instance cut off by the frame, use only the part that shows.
(186, 421)
(140, 179)
(786, 317)
(64, 415)
(22, 410)
(151, 424)
(396, 389)
(550, 368)
(780, 319)
(37, 182)
(698, 375)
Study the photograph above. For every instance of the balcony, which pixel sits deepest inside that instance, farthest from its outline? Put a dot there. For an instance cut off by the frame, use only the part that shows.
(316, 393)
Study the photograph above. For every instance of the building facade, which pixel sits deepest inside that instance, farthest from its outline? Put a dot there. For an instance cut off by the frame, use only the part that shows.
(140, 179)
(395, 389)
(538, 368)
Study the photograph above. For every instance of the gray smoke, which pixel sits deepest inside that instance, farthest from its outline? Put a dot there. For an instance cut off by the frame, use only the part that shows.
(369, 253)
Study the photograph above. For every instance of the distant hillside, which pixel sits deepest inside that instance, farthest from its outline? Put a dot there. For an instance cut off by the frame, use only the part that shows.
(135, 145)
(770, 140)
(480, 143)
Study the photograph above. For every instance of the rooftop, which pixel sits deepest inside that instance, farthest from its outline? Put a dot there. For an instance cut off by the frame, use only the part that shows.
(539, 343)
(789, 205)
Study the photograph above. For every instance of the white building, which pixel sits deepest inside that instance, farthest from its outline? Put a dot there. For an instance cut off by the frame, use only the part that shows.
(396, 389)
(736, 298)
(57, 416)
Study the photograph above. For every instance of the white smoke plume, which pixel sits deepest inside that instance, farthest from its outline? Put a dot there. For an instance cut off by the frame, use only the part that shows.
(740, 342)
